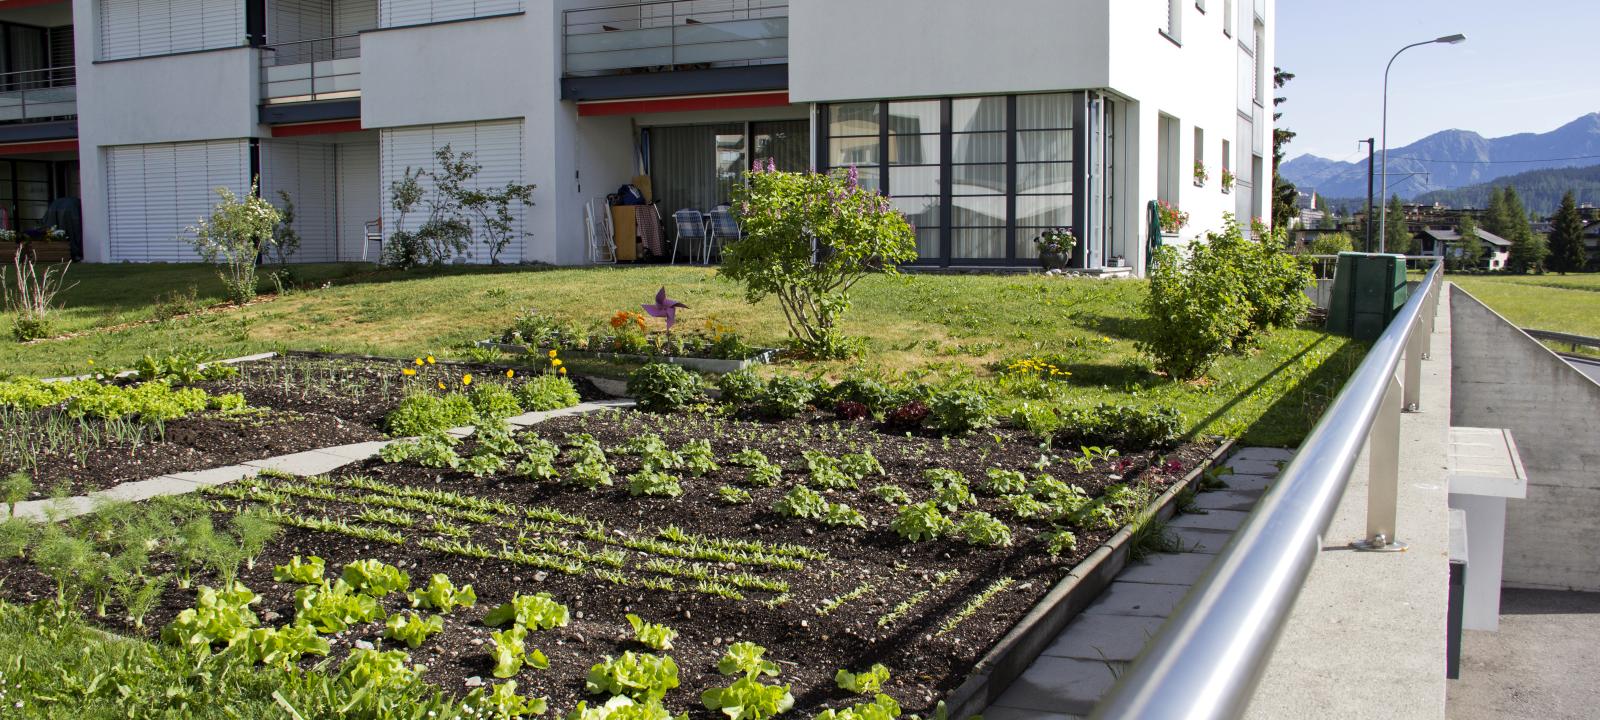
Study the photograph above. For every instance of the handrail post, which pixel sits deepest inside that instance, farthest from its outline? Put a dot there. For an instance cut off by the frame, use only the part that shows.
(1416, 349)
(1383, 474)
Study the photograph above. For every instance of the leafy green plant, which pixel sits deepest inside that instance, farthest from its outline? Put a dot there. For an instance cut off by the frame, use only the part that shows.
(697, 457)
(493, 401)
(741, 387)
(882, 707)
(218, 617)
(860, 465)
(802, 502)
(1005, 482)
(865, 682)
(921, 521)
(510, 651)
(981, 528)
(375, 578)
(654, 484)
(332, 608)
(1026, 507)
(958, 411)
(745, 658)
(622, 707)
(765, 475)
(876, 397)
(748, 699)
(641, 677)
(421, 413)
(1060, 541)
(282, 647)
(412, 628)
(502, 703)
(786, 217)
(16, 487)
(539, 611)
(748, 458)
(786, 396)
(950, 490)
(652, 635)
(305, 571)
(825, 472)
(662, 387)
(1122, 426)
(891, 494)
(733, 495)
(542, 393)
(442, 595)
(842, 515)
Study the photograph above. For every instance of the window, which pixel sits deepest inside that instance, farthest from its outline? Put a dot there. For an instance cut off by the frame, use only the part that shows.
(1261, 61)
(1199, 155)
(1227, 164)
(142, 28)
(1174, 28)
(978, 177)
(1167, 159)
(1227, 17)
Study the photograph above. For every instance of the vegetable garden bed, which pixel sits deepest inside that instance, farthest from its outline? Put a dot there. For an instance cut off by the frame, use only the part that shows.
(717, 554)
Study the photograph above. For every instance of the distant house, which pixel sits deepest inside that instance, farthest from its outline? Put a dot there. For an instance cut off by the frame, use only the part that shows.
(1446, 242)
(1591, 242)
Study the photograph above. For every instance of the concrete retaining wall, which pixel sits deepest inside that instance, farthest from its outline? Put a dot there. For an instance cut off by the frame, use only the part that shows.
(1503, 378)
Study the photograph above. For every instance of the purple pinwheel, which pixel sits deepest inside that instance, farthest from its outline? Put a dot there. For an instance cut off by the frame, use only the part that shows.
(665, 307)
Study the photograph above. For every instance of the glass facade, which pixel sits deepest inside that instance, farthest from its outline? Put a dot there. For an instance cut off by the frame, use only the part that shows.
(978, 177)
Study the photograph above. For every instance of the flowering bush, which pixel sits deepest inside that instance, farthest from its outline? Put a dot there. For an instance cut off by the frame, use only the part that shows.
(1171, 218)
(808, 239)
(234, 236)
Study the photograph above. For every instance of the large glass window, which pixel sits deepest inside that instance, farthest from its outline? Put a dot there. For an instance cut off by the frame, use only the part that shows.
(979, 177)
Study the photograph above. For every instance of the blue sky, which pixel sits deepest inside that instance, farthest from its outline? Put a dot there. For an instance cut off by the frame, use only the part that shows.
(1527, 66)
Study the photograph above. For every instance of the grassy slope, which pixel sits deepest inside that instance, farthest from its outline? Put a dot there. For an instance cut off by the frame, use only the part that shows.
(1563, 303)
(941, 325)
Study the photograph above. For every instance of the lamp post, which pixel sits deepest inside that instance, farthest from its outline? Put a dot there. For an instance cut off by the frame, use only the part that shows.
(1383, 214)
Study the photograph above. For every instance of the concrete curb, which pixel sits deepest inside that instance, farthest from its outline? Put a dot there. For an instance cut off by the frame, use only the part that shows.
(128, 373)
(309, 462)
(1017, 649)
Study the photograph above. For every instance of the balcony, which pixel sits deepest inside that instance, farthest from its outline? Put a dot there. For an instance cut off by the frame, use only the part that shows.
(35, 95)
(675, 35)
(308, 70)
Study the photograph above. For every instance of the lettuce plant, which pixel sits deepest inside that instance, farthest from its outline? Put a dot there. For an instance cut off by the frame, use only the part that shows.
(748, 458)
(510, 651)
(534, 611)
(1060, 542)
(825, 472)
(622, 707)
(697, 457)
(654, 484)
(305, 571)
(748, 699)
(282, 647)
(744, 658)
(218, 616)
(652, 635)
(860, 465)
(882, 707)
(334, 608)
(950, 489)
(865, 682)
(765, 475)
(502, 703)
(842, 515)
(892, 494)
(731, 495)
(641, 677)
(442, 595)
(412, 628)
(375, 578)
(375, 669)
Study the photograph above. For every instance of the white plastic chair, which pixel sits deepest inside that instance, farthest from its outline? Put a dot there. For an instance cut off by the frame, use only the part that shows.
(374, 234)
(602, 238)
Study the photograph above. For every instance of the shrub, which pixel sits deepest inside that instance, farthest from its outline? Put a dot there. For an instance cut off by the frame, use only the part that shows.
(235, 234)
(958, 411)
(787, 396)
(1122, 426)
(547, 392)
(33, 301)
(661, 387)
(1275, 280)
(741, 387)
(494, 401)
(424, 413)
(874, 396)
(809, 238)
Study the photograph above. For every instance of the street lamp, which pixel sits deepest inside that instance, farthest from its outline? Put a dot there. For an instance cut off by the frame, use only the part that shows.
(1383, 214)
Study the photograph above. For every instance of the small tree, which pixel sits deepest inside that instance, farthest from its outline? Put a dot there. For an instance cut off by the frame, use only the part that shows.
(1470, 254)
(451, 207)
(234, 237)
(1528, 251)
(1396, 233)
(809, 238)
(285, 241)
(1332, 243)
(1566, 238)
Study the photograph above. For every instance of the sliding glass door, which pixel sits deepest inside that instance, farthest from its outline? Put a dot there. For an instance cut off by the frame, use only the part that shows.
(697, 167)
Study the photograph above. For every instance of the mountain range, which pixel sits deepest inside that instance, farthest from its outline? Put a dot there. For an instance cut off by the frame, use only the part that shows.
(1453, 159)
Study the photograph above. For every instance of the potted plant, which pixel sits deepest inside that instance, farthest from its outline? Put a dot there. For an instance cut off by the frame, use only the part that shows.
(1171, 219)
(1228, 178)
(1056, 246)
(1201, 175)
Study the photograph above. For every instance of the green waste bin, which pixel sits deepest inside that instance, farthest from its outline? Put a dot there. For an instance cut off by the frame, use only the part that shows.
(1368, 291)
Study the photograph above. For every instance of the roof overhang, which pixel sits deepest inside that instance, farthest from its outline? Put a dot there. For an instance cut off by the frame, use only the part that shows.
(676, 83)
(41, 146)
(641, 106)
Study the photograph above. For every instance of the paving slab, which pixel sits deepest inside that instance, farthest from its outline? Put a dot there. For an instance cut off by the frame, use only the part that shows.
(1261, 454)
(1168, 569)
(1245, 482)
(1228, 520)
(1057, 685)
(63, 507)
(146, 489)
(310, 462)
(1253, 467)
(1104, 637)
(1005, 713)
(1144, 599)
(357, 451)
(217, 476)
(1196, 540)
(1235, 500)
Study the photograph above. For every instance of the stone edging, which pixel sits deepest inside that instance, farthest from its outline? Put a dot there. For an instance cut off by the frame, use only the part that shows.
(309, 462)
(1017, 649)
(129, 373)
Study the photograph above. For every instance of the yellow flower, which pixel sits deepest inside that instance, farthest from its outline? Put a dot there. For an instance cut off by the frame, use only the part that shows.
(418, 361)
(466, 379)
(430, 360)
(408, 371)
(555, 363)
(91, 361)
(563, 371)
(511, 373)
(441, 384)
(552, 353)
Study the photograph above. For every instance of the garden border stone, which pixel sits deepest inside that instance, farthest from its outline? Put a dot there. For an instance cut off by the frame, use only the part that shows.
(127, 373)
(712, 365)
(1039, 627)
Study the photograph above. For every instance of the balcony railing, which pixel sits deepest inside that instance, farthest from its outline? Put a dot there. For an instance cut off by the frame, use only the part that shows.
(304, 70)
(675, 35)
(28, 95)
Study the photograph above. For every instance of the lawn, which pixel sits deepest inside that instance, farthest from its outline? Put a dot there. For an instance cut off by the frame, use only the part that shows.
(1562, 303)
(924, 326)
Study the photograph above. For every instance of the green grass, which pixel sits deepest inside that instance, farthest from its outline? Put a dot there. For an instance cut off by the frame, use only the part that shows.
(1562, 303)
(925, 326)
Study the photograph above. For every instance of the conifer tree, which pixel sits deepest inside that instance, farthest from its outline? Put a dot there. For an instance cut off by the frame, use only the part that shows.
(1566, 238)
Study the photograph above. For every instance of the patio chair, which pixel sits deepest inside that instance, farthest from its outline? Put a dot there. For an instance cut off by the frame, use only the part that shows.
(374, 234)
(723, 228)
(689, 224)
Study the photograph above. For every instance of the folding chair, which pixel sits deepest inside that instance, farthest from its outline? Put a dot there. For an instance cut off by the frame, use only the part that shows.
(602, 244)
(688, 224)
(723, 228)
(374, 234)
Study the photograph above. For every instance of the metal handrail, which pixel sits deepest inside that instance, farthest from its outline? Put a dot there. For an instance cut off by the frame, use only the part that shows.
(59, 76)
(1207, 660)
(296, 52)
(311, 69)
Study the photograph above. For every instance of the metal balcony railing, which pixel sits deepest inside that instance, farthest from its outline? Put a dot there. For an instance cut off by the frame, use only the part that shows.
(304, 70)
(1206, 661)
(42, 94)
(670, 35)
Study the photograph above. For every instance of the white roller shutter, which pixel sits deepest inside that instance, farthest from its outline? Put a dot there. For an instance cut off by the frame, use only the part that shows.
(141, 28)
(306, 173)
(155, 192)
(359, 198)
(496, 146)
(397, 13)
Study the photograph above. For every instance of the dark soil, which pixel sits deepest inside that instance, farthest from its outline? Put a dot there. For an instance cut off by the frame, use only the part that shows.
(809, 644)
(303, 401)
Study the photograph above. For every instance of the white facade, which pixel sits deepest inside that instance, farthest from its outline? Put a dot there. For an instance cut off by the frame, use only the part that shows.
(329, 101)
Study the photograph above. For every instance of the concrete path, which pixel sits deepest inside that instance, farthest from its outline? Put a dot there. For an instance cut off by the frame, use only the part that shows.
(1542, 664)
(310, 462)
(1076, 670)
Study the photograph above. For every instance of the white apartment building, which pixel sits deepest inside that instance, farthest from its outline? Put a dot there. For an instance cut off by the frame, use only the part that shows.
(985, 120)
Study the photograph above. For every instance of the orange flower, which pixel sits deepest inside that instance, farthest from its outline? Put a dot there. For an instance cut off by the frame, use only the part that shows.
(563, 371)
(619, 319)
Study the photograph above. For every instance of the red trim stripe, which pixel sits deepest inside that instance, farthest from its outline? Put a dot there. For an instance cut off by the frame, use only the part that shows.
(325, 127)
(17, 4)
(44, 146)
(684, 104)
